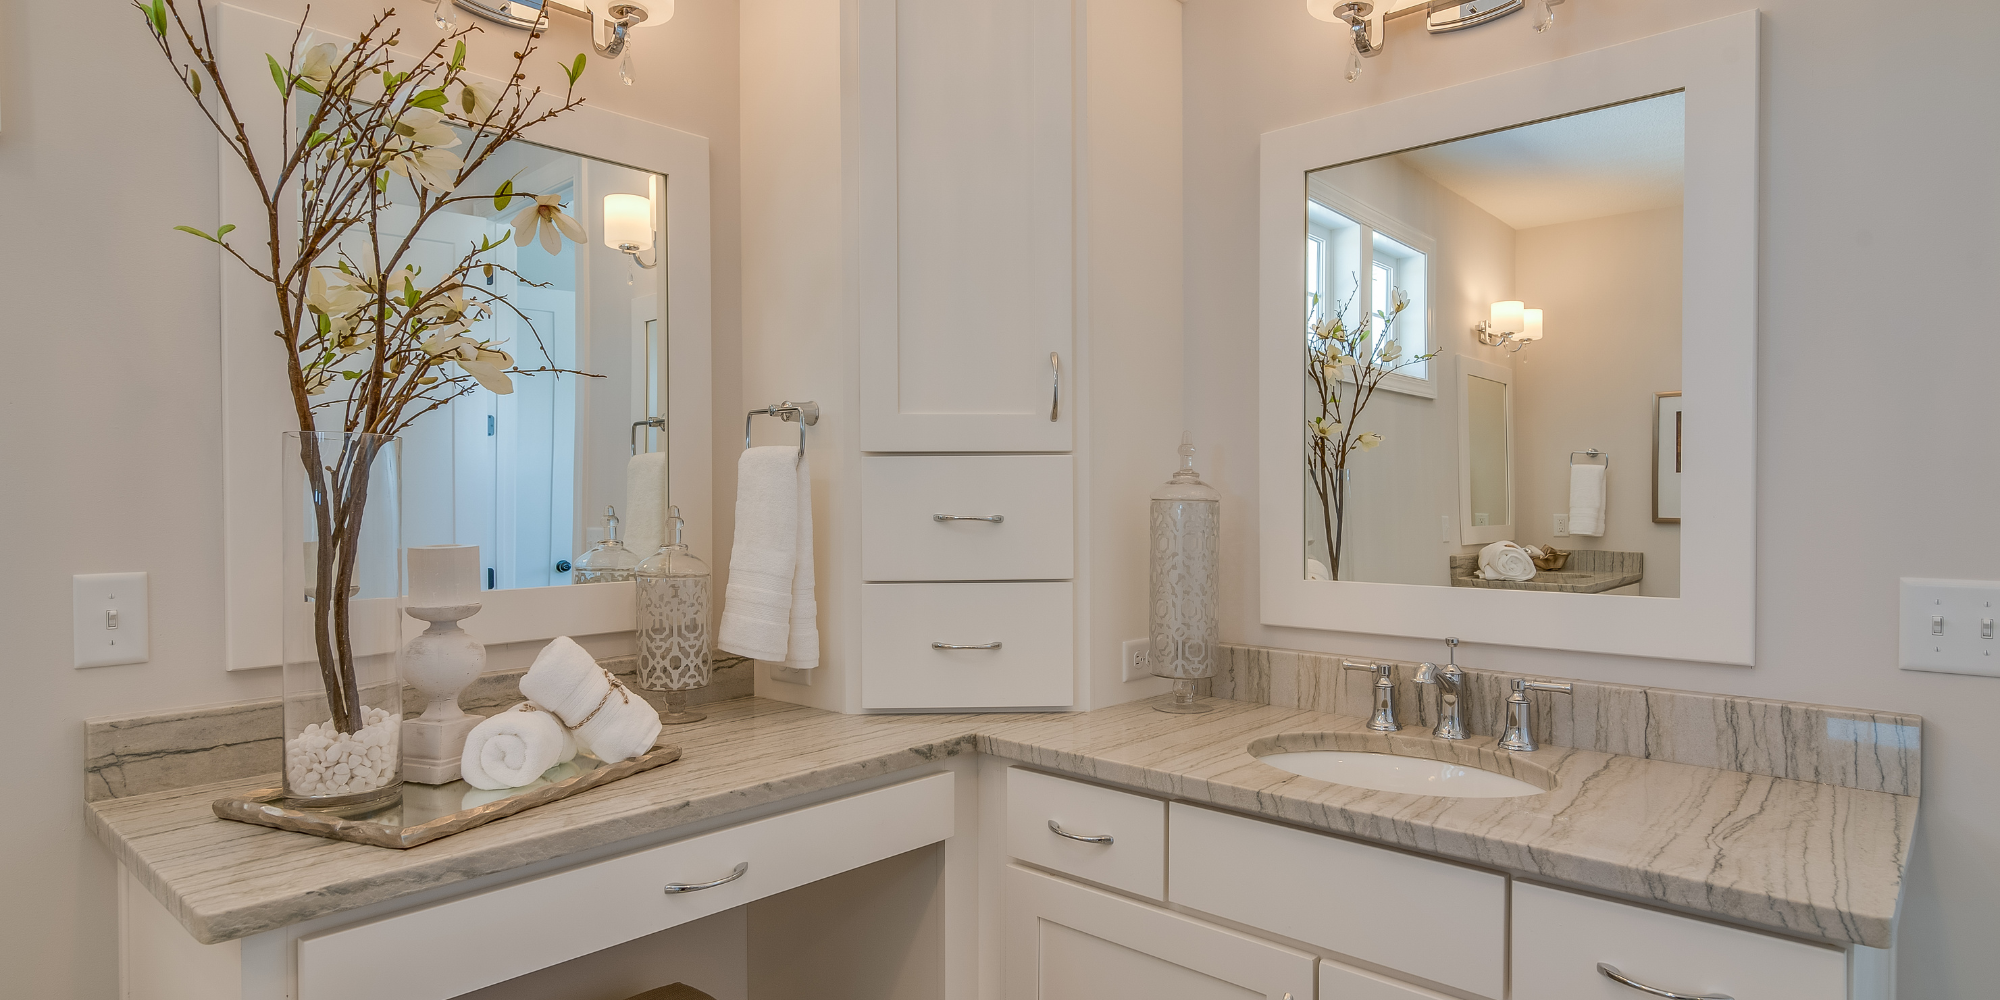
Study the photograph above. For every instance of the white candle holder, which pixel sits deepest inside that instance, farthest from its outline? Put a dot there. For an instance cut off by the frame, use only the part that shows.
(440, 663)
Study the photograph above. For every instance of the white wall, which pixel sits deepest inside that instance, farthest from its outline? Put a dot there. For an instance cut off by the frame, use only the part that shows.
(1853, 496)
(110, 426)
(1610, 290)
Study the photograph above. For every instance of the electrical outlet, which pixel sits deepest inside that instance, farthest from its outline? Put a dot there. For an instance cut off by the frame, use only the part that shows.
(790, 675)
(1562, 525)
(1135, 664)
(109, 623)
(1482, 520)
(1444, 528)
(1947, 626)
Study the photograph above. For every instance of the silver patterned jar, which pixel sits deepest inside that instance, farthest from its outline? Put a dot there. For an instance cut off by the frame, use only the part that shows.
(1186, 582)
(674, 594)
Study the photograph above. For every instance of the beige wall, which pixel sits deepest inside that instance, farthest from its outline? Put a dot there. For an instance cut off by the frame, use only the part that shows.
(109, 428)
(1610, 293)
(1850, 500)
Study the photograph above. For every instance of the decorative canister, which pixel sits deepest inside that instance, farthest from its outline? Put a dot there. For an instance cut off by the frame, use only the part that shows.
(1186, 582)
(674, 596)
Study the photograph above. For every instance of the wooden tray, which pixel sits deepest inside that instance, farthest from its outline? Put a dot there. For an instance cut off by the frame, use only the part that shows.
(427, 812)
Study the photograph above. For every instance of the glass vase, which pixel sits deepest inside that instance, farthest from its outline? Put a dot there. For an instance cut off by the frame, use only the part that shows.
(1186, 583)
(343, 586)
(674, 595)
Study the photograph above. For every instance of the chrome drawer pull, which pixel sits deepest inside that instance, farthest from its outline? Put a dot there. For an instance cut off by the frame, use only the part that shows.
(995, 518)
(1060, 832)
(1055, 386)
(734, 874)
(947, 645)
(1612, 973)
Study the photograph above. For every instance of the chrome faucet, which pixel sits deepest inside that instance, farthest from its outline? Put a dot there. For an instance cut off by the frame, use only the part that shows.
(1450, 682)
(1520, 718)
(1384, 719)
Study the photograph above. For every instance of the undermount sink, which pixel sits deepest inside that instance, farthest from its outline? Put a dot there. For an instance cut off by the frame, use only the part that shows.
(1370, 761)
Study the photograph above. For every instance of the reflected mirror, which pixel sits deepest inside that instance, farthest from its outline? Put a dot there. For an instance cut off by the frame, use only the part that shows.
(527, 475)
(1493, 356)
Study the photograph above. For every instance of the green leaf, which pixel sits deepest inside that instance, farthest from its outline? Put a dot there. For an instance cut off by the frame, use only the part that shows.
(194, 81)
(575, 70)
(316, 138)
(224, 231)
(504, 196)
(458, 54)
(197, 232)
(156, 16)
(278, 75)
(432, 100)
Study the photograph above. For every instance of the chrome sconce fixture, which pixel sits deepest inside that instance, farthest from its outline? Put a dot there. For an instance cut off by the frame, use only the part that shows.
(1511, 326)
(610, 23)
(1367, 23)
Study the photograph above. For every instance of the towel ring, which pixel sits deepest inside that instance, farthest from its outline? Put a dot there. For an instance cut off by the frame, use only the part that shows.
(806, 413)
(1592, 453)
(660, 422)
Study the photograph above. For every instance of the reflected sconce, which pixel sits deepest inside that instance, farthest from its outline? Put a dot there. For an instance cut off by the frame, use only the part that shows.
(1511, 325)
(1368, 23)
(628, 226)
(611, 23)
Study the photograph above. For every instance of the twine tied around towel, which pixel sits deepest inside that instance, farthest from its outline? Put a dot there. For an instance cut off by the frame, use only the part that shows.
(615, 686)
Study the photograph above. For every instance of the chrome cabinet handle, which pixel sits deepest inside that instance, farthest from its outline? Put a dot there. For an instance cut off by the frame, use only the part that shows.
(1055, 386)
(1057, 829)
(734, 874)
(1612, 973)
(948, 645)
(995, 518)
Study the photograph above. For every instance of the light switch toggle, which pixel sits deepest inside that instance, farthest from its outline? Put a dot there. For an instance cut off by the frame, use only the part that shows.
(1986, 628)
(1937, 624)
(111, 618)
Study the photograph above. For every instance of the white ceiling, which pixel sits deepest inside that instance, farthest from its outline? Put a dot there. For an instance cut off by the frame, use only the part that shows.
(1626, 158)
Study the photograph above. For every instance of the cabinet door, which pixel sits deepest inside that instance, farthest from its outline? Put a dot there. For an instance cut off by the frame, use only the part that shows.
(965, 225)
(1069, 942)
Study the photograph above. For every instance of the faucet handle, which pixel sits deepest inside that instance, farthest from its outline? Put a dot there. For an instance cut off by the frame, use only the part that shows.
(1382, 671)
(1520, 717)
(1383, 720)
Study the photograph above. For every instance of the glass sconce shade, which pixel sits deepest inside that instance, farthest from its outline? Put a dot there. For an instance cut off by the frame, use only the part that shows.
(1531, 326)
(628, 222)
(1508, 317)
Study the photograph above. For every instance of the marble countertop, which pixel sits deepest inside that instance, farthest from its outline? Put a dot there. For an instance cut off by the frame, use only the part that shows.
(1815, 860)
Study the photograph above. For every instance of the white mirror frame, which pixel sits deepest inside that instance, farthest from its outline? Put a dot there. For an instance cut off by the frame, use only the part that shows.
(1482, 534)
(256, 407)
(1716, 64)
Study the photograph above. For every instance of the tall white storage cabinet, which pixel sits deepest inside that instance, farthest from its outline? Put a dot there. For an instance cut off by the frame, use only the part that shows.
(955, 202)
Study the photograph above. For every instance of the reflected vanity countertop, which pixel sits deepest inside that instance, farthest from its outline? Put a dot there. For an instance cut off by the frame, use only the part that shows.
(1810, 859)
(1588, 571)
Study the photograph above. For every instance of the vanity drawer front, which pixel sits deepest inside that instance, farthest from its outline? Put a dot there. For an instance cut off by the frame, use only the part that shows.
(489, 937)
(1560, 937)
(902, 540)
(1429, 919)
(1135, 858)
(1031, 623)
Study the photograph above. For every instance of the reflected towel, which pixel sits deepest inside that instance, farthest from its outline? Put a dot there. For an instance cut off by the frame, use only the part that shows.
(645, 502)
(514, 748)
(612, 723)
(768, 612)
(1586, 499)
(1505, 561)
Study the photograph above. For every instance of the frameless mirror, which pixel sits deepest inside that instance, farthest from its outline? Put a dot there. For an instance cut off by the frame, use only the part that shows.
(528, 474)
(1493, 358)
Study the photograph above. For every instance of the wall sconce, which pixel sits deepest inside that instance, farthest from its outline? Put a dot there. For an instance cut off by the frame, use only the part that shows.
(1512, 326)
(1367, 23)
(628, 226)
(610, 31)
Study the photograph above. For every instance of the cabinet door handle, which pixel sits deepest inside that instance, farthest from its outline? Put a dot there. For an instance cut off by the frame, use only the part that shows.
(734, 874)
(1611, 972)
(1055, 386)
(948, 645)
(995, 518)
(1057, 829)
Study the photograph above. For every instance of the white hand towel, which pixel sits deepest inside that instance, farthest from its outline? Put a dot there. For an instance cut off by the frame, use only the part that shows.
(609, 721)
(1505, 561)
(764, 559)
(802, 647)
(645, 502)
(514, 748)
(1586, 500)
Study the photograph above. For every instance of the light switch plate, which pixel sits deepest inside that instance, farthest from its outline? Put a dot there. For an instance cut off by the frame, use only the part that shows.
(1946, 626)
(1132, 663)
(108, 619)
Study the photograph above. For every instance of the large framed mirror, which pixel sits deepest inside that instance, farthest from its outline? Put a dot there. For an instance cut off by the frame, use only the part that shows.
(1472, 303)
(528, 475)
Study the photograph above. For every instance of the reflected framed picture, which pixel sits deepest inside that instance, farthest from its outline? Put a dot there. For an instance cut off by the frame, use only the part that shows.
(1667, 451)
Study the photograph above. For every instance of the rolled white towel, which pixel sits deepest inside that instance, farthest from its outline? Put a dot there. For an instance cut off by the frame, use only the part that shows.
(1505, 561)
(609, 721)
(514, 748)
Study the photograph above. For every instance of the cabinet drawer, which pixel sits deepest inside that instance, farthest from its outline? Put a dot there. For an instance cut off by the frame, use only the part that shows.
(1431, 919)
(1560, 937)
(478, 940)
(1135, 857)
(902, 539)
(1029, 625)
(1345, 982)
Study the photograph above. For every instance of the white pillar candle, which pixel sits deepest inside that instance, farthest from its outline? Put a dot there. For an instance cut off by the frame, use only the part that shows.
(444, 576)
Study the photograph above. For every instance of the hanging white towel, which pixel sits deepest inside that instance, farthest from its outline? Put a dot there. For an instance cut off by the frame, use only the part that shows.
(645, 502)
(766, 574)
(1586, 499)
